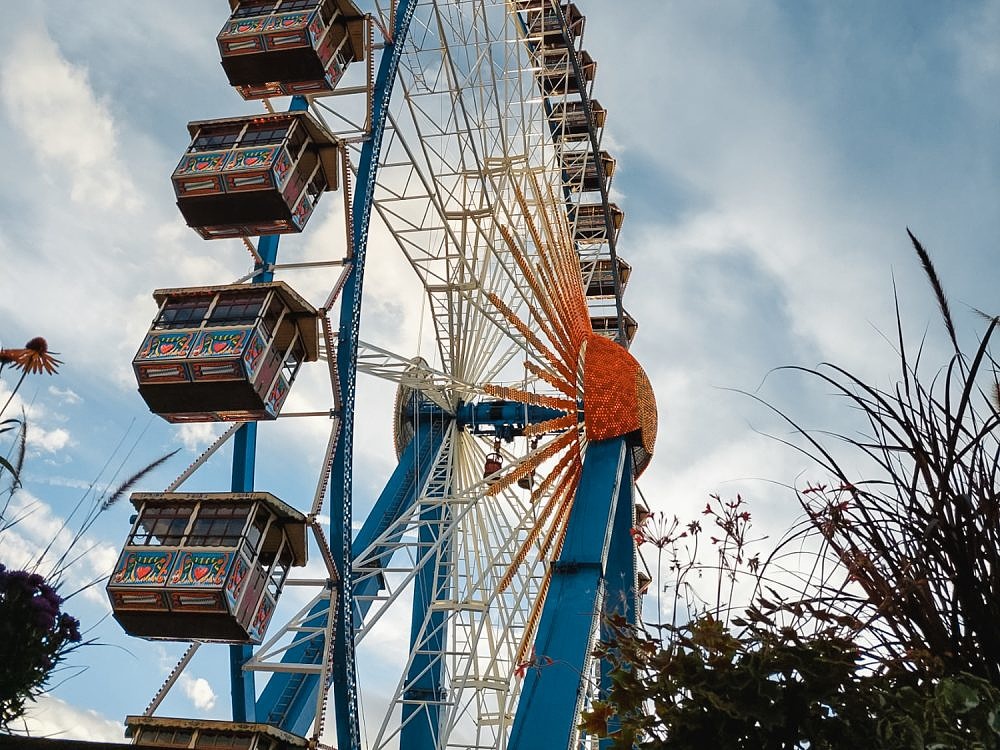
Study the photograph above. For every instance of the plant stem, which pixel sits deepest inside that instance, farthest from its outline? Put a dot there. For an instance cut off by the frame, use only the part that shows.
(16, 388)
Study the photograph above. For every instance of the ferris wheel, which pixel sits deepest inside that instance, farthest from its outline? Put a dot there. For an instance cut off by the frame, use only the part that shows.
(464, 134)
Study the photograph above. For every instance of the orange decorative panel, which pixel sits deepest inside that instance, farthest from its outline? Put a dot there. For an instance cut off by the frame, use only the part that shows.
(617, 396)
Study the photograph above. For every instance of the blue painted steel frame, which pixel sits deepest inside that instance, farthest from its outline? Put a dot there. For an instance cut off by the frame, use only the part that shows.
(620, 574)
(502, 417)
(424, 694)
(241, 682)
(289, 699)
(594, 571)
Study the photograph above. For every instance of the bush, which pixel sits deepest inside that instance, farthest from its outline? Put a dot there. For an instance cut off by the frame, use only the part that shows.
(34, 637)
(705, 686)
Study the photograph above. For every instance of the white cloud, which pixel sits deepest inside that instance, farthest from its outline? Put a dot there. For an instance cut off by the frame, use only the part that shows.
(67, 144)
(198, 435)
(49, 716)
(49, 441)
(65, 395)
(40, 529)
(17, 406)
(198, 691)
(35, 82)
(39, 437)
(975, 42)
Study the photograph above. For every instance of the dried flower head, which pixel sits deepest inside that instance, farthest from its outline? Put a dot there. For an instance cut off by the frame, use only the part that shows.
(35, 357)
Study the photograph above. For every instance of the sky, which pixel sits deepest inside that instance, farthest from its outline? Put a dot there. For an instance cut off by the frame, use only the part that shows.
(770, 157)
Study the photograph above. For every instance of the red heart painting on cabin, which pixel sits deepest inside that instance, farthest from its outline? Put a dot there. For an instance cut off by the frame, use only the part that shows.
(200, 571)
(219, 346)
(167, 347)
(143, 571)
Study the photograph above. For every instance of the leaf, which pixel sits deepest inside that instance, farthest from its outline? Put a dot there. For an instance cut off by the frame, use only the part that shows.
(993, 721)
(935, 282)
(957, 696)
(5, 464)
(595, 721)
(125, 486)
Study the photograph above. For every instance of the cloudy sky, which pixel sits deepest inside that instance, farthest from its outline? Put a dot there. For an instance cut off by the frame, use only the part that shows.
(770, 157)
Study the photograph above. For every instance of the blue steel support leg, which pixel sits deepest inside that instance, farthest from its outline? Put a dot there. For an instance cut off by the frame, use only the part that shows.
(551, 696)
(622, 596)
(345, 694)
(424, 690)
(241, 682)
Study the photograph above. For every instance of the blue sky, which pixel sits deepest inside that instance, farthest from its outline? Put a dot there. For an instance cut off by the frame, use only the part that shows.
(770, 157)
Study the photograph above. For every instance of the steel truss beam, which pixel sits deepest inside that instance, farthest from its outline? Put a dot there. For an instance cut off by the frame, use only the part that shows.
(290, 697)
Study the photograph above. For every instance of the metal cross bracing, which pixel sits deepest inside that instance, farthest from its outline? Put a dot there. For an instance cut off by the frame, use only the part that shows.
(468, 111)
(464, 600)
(453, 189)
(442, 388)
(465, 608)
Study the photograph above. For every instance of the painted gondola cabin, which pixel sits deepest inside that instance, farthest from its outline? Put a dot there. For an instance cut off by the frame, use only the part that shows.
(598, 273)
(557, 75)
(546, 23)
(252, 175)
(568, 120)
(206, 734)
(223, 353)
(288, 47)
(205, 566)
(580, 170)
(589, 225)
(607, 325)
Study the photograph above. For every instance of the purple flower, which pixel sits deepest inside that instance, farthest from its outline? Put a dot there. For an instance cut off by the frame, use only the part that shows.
(36, 636)
(45, 604)
(44, 620)
(69, 628)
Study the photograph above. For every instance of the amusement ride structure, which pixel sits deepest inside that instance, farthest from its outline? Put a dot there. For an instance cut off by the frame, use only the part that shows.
(465, 129)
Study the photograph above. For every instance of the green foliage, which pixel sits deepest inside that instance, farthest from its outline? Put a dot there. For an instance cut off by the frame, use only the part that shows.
(959, 711)
(705, 687)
